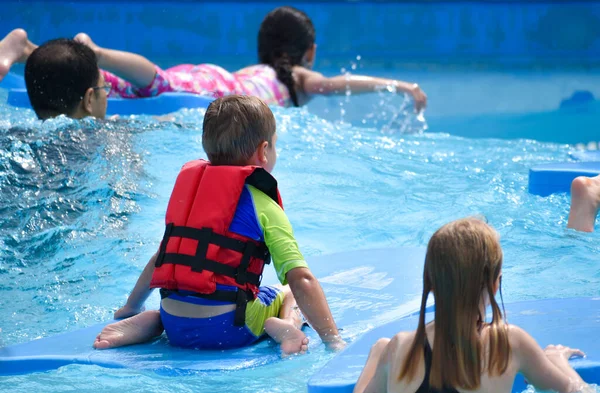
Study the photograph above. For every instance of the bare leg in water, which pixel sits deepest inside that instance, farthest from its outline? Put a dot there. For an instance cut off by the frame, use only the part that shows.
(286, 330)
(14, 48)
(134, 330)
(143, 327)
(135, 69)
(585, 199)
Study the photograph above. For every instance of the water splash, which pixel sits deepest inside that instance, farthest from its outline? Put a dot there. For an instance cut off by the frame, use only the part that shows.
(392, 112)
(92, 197)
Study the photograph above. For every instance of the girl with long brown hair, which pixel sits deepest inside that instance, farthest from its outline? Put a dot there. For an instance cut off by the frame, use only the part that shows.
(459, 351)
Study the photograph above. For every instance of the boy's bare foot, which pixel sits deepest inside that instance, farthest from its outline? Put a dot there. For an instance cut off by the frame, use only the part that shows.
(287, 335)
(137, 329)
(14, 48)
(87, 41)
(585, 199)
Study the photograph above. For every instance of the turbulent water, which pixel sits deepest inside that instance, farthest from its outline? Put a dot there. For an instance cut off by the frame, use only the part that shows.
(82, 205)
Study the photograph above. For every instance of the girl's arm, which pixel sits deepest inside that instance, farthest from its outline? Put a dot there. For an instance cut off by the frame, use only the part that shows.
(315, 83)
(140, 293)
(549, 369)
(385, 356)
(374, 375)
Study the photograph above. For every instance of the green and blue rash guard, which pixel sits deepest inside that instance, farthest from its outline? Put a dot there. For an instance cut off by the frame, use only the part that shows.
(260, 218)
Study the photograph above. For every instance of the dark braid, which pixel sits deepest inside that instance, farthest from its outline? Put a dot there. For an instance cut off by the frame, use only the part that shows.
(283, 68)
(284, 37)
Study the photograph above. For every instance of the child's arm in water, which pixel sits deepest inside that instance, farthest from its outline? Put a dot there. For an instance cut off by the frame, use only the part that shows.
(140, 293)
(313, 304)
(312, 83)
(547, 369)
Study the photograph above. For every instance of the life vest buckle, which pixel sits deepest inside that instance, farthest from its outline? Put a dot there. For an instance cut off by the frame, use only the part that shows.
(241, 278)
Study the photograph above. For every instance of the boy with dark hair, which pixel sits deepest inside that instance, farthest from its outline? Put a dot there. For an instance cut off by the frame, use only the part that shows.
(62, 76)
(224, 222)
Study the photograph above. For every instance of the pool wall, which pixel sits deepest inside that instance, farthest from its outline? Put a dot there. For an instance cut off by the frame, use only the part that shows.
(490, 34)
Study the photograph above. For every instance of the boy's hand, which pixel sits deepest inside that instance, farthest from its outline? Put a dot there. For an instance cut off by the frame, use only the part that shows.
(127, 311)
(336, 344)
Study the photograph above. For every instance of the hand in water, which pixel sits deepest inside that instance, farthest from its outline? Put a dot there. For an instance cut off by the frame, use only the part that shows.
(127, 311)
(336, 344)
(420, 98)
(562, 352)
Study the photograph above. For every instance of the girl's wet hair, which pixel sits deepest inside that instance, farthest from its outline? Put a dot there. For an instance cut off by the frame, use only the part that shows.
(285, 35)
(462, 265)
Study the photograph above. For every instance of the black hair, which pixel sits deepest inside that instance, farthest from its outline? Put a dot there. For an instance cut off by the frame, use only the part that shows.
(57, 75)
(285, 35)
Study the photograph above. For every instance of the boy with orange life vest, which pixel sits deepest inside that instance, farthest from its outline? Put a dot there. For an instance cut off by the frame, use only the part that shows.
(224, 222)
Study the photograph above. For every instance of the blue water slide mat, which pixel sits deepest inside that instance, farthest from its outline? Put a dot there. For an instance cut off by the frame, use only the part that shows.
(364, 288)
(547, 179)
(585, 155)
(570, 125)
(570, 322)
(161, 105)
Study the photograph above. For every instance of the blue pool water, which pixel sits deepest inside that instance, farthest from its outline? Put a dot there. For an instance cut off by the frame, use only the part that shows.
(82, 208)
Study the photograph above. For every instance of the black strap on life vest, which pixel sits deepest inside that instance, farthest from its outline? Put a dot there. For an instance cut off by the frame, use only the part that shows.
(262, 180)
(239, 297)
(199, 262)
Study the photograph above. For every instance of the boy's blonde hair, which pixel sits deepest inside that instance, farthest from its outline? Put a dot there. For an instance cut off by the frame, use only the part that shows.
(234, 126)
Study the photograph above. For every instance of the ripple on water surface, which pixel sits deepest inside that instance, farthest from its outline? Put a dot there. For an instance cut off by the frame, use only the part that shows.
(82, 206)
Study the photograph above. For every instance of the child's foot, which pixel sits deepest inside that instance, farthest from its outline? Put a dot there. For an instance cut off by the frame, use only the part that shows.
(585, 199)
(134, 330)
(87, 41)
(14, 48)
(287, 335)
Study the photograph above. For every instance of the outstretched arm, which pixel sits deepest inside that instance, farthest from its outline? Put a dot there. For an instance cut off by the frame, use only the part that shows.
(315, 83)
(140, 293)
(549, 369)
(313, 304)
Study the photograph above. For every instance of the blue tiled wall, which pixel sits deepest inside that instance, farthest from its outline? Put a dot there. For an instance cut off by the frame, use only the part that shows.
(495, 33)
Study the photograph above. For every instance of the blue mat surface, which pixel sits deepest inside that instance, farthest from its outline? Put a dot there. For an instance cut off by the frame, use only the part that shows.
(13, 81)
(586, 155)
(161, 105)
(571, 125)
(571, 322)
(549, 179)
(369, 287)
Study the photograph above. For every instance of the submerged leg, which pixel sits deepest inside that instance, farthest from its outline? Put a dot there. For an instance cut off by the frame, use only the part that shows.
(134, 68)
(585, 199)
(134, 330)
(14, 48)
(286, 330)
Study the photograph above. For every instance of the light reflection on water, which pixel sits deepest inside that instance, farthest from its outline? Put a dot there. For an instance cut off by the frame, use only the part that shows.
(83, 204)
